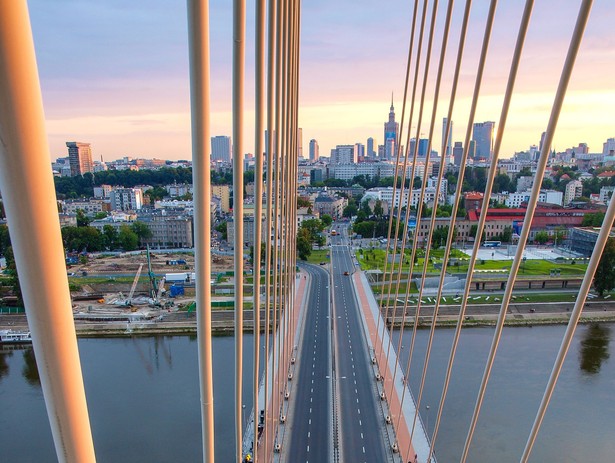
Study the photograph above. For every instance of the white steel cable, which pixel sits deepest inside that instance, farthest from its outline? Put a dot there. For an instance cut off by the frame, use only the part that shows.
(259, 83)
(502, 124)
(500, 133)
(594, 260)
(551, 127)
(387, 298)
(403, 112)
(409, 201)
(444, 43)
(271, 20)
(198, 29)
(239, 32)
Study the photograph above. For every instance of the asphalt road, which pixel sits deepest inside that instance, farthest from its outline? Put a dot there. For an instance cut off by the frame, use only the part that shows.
(359, 421)
(311, 417)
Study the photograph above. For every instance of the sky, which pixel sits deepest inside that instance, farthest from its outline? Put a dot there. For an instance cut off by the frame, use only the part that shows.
(115, 73)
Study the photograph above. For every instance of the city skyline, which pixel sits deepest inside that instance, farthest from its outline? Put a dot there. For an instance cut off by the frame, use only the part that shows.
(127, 92)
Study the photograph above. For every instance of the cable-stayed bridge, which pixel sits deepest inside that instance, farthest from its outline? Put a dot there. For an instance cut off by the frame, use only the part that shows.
(333, 388)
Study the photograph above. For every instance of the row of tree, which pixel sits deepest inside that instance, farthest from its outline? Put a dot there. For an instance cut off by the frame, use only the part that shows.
(310, 235)
(90, 239)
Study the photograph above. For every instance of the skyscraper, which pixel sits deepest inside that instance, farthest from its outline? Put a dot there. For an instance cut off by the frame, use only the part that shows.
(391, 129)
(221, 148)
(314, 150)
(79, 157)
(300, 142)
(371, 153)
(457, 153)
(448, 147)
(483, 136)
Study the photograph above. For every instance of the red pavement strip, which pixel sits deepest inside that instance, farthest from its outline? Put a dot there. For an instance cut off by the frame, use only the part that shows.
(403, 434)
(299, 294)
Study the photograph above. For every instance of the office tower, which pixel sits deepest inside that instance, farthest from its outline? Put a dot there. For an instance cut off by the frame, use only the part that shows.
(457, 153)
(472, 150)
(483, 136)
(360, 149)
(314, 150)
(423, 145)
(300, 142)
(391, 129)
(608, 147)
(371, 153)
(448, 147)
(221, 148)
(542, 141)
(344, 154)
(79, 157)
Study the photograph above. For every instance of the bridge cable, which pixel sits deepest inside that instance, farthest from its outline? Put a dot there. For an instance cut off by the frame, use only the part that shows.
(542, 162)
(385, 300)
(239, 31)
(198, 33)
(397, 158)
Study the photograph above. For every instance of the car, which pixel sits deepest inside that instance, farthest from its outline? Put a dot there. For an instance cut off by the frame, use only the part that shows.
(323, 263)
(346, 273)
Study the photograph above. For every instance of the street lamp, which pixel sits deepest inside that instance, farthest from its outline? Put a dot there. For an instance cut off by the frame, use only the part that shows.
(427, 420)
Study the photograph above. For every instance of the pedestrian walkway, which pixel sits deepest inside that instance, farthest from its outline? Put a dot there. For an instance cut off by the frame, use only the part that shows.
(370, 314)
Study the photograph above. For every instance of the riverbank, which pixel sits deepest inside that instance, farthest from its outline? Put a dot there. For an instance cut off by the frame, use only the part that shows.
(180, 323)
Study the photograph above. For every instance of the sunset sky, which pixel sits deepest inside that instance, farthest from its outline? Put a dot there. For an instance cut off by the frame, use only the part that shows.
(115, 73)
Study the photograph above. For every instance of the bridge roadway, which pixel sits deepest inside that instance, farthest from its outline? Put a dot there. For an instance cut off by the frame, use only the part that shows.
(360, 425)
(311, 436)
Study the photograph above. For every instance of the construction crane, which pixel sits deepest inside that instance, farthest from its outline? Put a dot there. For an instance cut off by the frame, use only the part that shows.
(128, 301)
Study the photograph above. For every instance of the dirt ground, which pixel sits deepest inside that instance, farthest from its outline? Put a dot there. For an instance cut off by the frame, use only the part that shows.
(129, 263)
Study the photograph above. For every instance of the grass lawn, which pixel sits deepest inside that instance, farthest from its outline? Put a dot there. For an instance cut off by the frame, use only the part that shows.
(318, 256)
(374, 259)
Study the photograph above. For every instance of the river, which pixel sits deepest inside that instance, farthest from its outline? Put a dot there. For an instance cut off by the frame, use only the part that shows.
(143, 397)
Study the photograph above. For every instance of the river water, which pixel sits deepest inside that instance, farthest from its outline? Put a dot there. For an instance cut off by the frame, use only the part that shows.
(143, 397)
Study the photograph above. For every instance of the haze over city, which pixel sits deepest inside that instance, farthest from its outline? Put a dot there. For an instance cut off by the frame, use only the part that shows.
(116, 74)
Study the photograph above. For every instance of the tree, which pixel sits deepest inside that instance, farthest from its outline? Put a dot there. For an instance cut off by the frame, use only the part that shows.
(303, 202)
(593, 219)
(378, 209)
(110, 237)
(326, 220)
(100, 215)
(156, 194)
(541, 237)
(142, 231)
(82, 219)
(604, 279)
(350, 210)
(11, 270)
(366, 209)
(222, 229)
(128, 239)
(304, 247)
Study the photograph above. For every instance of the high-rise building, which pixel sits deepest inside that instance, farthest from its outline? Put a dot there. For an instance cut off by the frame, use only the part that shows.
(391, 129)
(344, 154)
(221, 148)
(300, 142)
(79, 157)
(314, 150)
(608, 147)
(360, 149)
(448, 147)
(483, 136)
(371, 153)
(457, 153)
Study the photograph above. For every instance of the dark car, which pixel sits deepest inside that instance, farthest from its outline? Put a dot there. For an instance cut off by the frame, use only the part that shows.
(346, 273)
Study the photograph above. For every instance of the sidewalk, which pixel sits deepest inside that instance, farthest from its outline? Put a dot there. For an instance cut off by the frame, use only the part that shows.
(394, 392)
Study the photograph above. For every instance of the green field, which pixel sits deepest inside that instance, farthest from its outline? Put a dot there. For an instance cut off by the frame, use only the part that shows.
(458, 263)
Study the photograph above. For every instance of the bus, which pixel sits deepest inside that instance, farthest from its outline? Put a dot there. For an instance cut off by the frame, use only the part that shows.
(492, 244)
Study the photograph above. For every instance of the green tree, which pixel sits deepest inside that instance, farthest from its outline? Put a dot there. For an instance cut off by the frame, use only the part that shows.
(142, 231)
(304, 247)
(541, 237)
(222, 229)
(593, 219)
(127, 238)
(303, 202)
(326, 220)
(378, 209)
(156, 194)
(350, 210)
(604, 279)
(100, 215)
(110, 236)
(82, 219)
